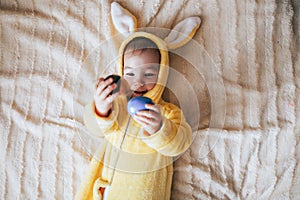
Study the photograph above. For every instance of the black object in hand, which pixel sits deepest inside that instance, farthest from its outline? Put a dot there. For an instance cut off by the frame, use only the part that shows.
(117, 80)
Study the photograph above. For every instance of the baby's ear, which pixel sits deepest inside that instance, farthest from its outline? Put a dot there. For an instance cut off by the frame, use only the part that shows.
(122, 19)
(183, 32)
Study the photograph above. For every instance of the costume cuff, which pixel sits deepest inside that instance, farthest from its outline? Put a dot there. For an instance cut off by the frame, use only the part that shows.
(96, 124)
(106, 122)
(90, 120)
(162, 137)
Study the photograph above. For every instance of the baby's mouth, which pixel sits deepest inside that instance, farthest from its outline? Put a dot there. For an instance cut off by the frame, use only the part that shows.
(139, 93)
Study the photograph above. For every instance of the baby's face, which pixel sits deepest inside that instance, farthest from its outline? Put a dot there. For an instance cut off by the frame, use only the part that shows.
(141, 71)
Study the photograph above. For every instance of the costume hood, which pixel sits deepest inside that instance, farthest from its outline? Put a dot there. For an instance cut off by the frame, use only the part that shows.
(126, 24)
(155, 93)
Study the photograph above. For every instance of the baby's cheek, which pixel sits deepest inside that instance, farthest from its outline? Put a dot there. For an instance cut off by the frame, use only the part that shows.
(133, 85)
(129, 81)
(150, 86)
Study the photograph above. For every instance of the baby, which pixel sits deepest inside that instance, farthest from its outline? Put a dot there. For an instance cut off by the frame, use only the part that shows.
(136, 159)
(155, 135)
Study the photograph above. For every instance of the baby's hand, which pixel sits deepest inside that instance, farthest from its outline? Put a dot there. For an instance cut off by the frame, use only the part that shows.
(150, 119)
(103, 97)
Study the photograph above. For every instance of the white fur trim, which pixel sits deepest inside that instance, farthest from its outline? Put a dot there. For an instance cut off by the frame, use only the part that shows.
(122, 19)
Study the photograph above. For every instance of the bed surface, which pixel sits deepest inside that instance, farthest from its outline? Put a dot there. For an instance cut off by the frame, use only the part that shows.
(246, 138)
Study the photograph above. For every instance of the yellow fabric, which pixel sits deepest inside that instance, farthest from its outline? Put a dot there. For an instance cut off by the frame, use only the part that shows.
(191, 25)
(144, 169)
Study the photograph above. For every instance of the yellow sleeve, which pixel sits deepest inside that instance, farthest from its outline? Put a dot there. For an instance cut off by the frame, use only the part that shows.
(100, 126)
(175, 135)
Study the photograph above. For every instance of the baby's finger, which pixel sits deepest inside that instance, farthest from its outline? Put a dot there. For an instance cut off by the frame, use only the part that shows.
(155, 108)
(112, 97)
(146, 113)
(98, 81)
(103, 85)
(107, 91)
(144, 121)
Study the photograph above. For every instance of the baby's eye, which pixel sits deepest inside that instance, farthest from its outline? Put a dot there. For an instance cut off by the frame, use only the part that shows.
(150, 74)
(129, 74)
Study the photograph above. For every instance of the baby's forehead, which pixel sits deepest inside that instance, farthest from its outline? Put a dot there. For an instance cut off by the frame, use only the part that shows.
(139, 51)
(152, 66)
(142, 54)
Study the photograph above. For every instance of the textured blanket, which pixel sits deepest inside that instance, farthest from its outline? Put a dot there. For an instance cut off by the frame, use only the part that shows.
(245, 76)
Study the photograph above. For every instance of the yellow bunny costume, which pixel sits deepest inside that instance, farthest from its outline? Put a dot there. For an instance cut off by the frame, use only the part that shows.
(142, 169)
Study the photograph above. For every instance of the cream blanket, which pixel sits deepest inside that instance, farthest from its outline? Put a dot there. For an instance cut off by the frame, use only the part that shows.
(247, 146)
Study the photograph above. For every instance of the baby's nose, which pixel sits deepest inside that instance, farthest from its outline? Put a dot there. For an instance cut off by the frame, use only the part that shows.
(140, 81)
(140, 84)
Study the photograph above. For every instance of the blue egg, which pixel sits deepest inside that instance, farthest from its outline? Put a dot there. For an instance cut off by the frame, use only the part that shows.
(138, 103)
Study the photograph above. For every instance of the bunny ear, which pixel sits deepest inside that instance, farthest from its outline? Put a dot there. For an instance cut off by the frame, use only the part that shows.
(183, 32)
(122, 19)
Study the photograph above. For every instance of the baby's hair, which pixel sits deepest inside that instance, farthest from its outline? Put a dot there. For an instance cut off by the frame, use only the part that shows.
(141, 44)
